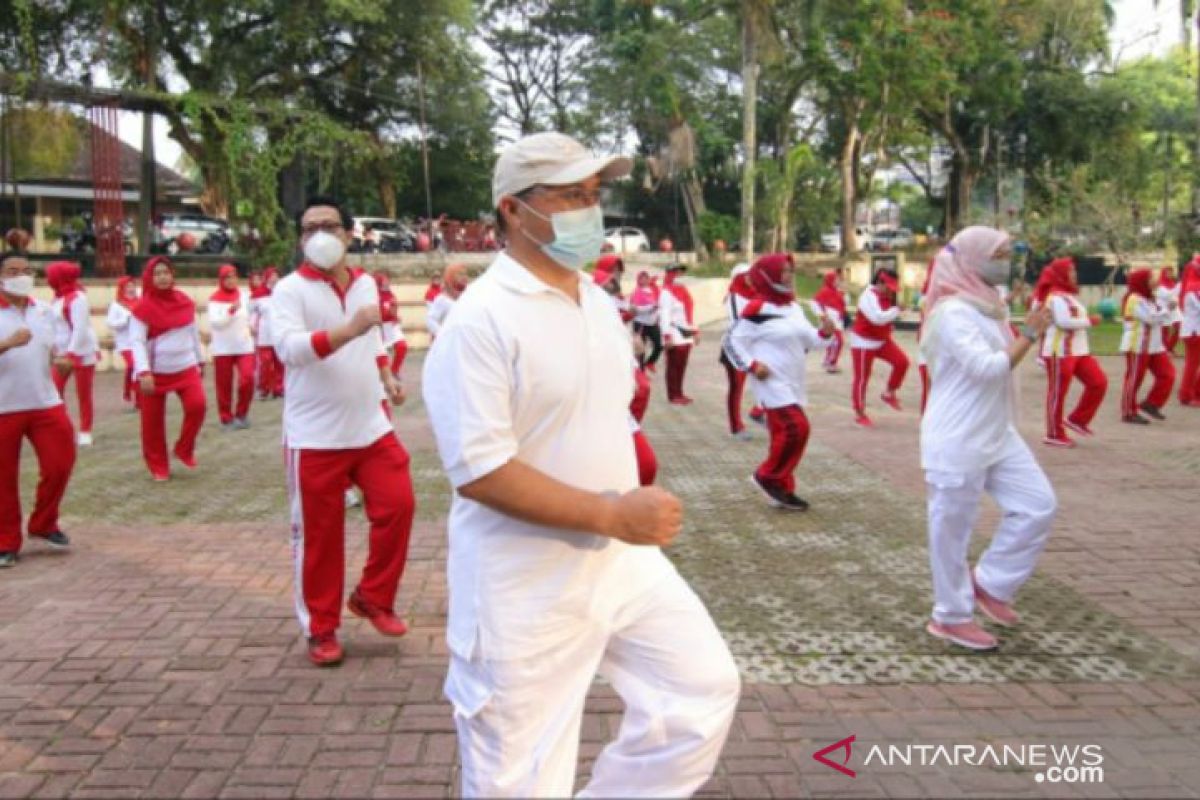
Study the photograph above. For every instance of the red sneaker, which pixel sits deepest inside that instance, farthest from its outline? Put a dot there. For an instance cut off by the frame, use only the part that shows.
(890, 399)
(161, 476)
(680, 401)
(1079, 428)
(324, 650)
(863, 420)
(384, 619)
(1058, 441)
(997, 611)
(187, 461)
(965, 634)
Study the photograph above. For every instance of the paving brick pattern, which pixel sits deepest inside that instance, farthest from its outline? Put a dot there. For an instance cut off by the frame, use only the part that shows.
(160, 658)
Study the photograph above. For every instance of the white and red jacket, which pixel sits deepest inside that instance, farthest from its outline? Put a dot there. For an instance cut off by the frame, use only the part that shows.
(1191, 315)
(779, 337)
(231, 334)
(118, 319)
(874, 321)
(333, 398)
(176, 350)
(1144, 321)
(676, 323)
(1067, 334)
(76, 337)
(25, 381)
(1168, 301)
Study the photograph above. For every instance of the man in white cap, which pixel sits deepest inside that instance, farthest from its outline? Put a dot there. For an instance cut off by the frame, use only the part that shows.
(555, 567)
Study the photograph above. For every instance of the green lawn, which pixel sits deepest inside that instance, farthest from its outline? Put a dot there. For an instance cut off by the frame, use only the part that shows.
(1105, 338)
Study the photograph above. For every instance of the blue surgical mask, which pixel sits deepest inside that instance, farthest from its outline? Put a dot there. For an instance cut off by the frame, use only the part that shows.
(578, 236)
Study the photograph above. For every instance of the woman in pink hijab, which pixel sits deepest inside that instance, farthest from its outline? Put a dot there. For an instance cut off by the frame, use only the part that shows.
(970, 444)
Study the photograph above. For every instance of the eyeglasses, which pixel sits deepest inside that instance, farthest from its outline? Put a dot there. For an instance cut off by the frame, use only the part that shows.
(575, 196)
(313, 227)
(14, 272)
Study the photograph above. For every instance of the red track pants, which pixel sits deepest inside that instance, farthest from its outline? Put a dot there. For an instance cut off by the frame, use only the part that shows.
(188, 386)
(49, 431)
(85, 378)
(225, 368)
(677, 361)
(864, 359)
(834, 351)
(736, 385)
(1059, 372)
(647, 462)
(1189, 385)
(789, 431)
(1136, 365)
(317, 483)
(129, 388)
(270, 373)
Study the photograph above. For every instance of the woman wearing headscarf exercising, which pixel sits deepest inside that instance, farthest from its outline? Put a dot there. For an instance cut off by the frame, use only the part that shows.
(120, 312)
(78, 343)
(454, 283)
(644, 304)
(232, 348)
(1066, 353)
(871, 338)
(1167, 296)
(167, 359)
(737, 297)
(1144, 349)
(1189, 300)
(970, 444)
(773, 337)
(270, 368)
(829, 302)
(392, 325)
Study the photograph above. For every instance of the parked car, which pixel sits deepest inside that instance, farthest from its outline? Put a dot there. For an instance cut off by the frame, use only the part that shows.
(82, 238)
(381, 235)
(831, 242)
(898, 239)
(626, 240)
(210, 234)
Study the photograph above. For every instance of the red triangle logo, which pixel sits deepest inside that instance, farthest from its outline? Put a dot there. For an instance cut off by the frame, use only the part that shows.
(844, 744)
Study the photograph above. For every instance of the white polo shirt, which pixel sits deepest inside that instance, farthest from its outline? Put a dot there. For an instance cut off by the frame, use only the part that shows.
(521, 371)
(231, 334)
(25, 382)
(334, 400)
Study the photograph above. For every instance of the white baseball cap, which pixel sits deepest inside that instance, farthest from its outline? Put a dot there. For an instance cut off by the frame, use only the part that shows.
(551, 159)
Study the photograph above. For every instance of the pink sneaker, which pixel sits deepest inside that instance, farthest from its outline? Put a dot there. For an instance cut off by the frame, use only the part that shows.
(863, 420)
(1082, 430)
(965, 634)
(890, 399)
(1058, 441)
(997, 611)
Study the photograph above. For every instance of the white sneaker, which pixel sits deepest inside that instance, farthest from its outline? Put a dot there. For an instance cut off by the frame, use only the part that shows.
(352, 499)
(84, 440)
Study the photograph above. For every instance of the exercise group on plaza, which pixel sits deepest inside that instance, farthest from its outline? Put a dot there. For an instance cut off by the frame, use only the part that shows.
(536, 375)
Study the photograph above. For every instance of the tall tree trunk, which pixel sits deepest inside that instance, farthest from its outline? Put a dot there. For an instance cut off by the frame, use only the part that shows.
(749, 120)
(849, 188)
(214, 169)
(693, 207)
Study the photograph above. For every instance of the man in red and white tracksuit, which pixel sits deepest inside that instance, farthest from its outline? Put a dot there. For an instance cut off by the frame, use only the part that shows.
(337, 431)
(232, 349)
(30, 408)
(871, 338)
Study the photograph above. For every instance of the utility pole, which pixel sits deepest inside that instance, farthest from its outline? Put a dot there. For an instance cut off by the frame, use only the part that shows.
(148, 190)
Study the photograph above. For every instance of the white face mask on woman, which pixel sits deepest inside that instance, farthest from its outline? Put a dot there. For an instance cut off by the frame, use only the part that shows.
(996, 271)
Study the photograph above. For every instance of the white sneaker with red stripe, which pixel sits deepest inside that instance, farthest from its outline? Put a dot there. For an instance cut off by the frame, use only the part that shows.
(964, 634)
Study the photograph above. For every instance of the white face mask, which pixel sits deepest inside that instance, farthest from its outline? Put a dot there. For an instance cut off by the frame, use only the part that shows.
(20, 285)
(324, 250)
(996, 271)
(578, 235)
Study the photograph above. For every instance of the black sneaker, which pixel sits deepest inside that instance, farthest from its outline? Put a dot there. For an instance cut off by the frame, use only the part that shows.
(775, 497)
(1153, 411)
(794, 503)
(1135, 419)
(8, 559)
(57, 540)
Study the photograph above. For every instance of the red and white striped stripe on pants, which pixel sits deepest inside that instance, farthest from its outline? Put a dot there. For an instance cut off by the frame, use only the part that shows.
(1059, 372)
(1136, 365)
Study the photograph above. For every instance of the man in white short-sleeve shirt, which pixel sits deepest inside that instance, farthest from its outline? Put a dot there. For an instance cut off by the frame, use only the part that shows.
(555, 567)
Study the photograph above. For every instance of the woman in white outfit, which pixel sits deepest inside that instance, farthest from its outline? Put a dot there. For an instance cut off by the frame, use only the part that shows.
(970, 444)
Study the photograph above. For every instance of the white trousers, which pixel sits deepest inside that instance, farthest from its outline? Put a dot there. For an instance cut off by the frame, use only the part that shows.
(1027, 503)
(519, 720)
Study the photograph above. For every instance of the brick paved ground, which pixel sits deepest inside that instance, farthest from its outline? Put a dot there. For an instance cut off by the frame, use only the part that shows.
(160, 658)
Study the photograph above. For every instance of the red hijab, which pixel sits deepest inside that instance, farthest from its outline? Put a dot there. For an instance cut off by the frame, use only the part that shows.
(162, 310)
(435, 288)
(766, 276)
(680, 291)
(1136, 283)
(1190, 281)
(609, 266)
(828, 295)
(223, 295)
(1164, 278)
(258, 284)
(122, 284)
(387, 300)
(63, 277)
(1056, 277)
(740, 286)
